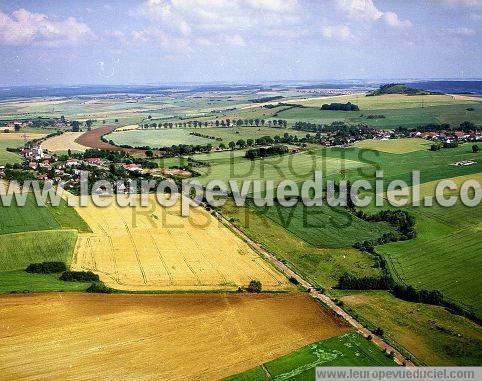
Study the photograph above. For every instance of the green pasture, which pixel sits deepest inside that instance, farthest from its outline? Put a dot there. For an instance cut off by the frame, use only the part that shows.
(322, 266)
(445, 255)
(157, 138)
(31, 217)
(18, 250)
(350, 349)
(10, 157)
(431, 333)
(325, 226)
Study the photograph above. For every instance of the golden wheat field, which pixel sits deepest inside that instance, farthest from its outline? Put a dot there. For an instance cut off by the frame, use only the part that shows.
(153, 337)
(154, 248)
(64, 142)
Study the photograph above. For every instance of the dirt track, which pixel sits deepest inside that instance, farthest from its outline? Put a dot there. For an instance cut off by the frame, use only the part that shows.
(197, 337)
(326, 300)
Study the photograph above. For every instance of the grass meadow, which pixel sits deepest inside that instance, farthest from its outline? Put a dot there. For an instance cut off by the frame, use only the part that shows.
(9, 157)
(350, 349)
(432, 334)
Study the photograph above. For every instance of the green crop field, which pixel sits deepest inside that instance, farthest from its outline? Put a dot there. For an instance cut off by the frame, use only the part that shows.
(394, 145)
(322, 266)
(157, 138)
(297, 167)
(398, 110)
(18, 250)
(432, 334)
(10, 157)
(21, 281)
(350, 349)
(32, 234)
(325, 226)
(228, 134)
(15, 219)
(445, 256)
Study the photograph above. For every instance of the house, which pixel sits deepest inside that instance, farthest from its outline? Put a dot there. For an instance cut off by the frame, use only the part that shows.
(72, 163)
(35, 153)
(93, 160)
(132, 167)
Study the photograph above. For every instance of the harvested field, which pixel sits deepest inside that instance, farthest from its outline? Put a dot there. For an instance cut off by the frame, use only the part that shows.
(201, 337)
(20, 135)
(154, 248)
(64, 142)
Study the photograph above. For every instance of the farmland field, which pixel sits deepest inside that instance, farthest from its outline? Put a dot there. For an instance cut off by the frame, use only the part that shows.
(398, 110)
(30, 217)
(325, 226)
(445, 256)
(154, 336)
(434, 335)
(297, 167)
(322, 266)
(394, 145)
(154, 248)
(10, 157)
(350, 349)
(18, 250)
(64, 142)
(156, 138)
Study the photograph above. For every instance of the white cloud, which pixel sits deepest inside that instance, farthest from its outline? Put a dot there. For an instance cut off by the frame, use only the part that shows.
(274, 5)
(336, 32)
(23, 27)
(391, 18)
(366, 10)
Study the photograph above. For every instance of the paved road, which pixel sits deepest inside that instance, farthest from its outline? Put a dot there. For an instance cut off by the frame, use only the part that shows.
(399, 358)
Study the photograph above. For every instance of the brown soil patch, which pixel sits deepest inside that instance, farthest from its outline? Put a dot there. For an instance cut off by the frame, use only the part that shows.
(120, 337)
(93, 139)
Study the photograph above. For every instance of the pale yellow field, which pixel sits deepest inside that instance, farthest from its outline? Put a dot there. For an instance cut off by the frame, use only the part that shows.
(394, 145)
(428, 188)
(20, 135)
(153, 337)
(64, 142)
(154, 248)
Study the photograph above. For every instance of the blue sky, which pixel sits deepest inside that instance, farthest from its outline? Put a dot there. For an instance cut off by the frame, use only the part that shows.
(160, 41)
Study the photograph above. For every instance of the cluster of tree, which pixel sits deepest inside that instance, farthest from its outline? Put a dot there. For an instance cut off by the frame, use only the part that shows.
(204, 136)
(79, 276)
(340, 106)
(350, 282)
(437, 127)
(254, 286)
(401, 220)
(398, 88)
(266, 99)
(255, 153)
(376, 116)
(184, 149)
(46, 268)
(419, 296)
(98, 288)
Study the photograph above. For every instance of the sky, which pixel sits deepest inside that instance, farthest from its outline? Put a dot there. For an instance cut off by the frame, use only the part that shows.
(242, 41)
